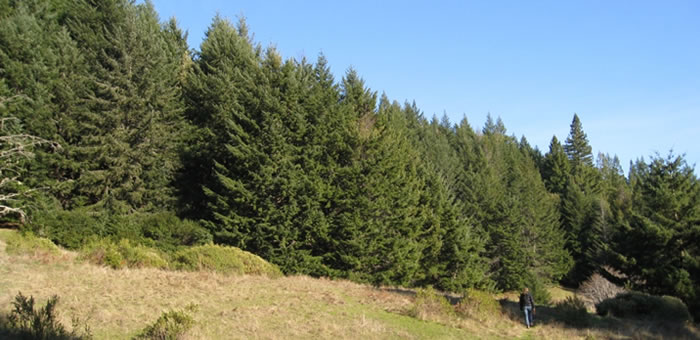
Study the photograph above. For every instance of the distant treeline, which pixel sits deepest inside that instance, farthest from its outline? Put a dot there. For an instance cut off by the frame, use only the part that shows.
(319, 176)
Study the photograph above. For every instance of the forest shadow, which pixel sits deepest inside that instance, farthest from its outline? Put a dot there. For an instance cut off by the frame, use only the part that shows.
(626, 328)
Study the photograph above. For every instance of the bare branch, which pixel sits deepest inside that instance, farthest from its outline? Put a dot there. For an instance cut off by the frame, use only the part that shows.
(7, 210)
(12, 147)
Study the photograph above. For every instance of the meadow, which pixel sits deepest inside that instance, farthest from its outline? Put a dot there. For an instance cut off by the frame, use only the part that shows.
(111, 303)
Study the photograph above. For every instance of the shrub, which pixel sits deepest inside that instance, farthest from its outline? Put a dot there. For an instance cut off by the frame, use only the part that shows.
(28, 323)
(28, 243)
(123, 254)
(431, 305)
(643, 306)
(70, 229)
(138, 256)
(170, 231)
(102, 252)
(74, 228)
(170, 325)
(597, 288)
(223, 259)
(572, 311)
(478, 305)
(163, 230)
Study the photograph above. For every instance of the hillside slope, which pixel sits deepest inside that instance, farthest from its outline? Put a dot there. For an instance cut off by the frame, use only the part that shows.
(117, 304)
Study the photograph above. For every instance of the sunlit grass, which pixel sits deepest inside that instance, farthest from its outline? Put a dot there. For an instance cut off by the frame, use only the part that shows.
(118, 304)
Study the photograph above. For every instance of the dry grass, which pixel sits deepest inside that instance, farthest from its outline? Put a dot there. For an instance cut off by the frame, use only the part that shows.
(117, 304)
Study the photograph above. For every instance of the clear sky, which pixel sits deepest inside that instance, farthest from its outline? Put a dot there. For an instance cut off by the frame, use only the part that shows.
(629, 69)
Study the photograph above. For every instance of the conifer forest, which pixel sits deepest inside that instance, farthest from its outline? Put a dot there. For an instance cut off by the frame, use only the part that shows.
(113, 127)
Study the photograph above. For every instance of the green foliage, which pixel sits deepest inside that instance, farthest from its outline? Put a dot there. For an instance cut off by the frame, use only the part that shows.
(657, 245)
(568, 172)
(39, 63)
(122, 254)
(539, 290)
(430, 304)
(576, 145)
(223, 259)
(478, 305)
(26, 322)
(131, 113)
(557, 168)
(380, 220)
(572, 311)
(644, 306)
(28, 243)
(70, 228)
(171, 325)
(74, 228)
(163, 230)
(506, 195)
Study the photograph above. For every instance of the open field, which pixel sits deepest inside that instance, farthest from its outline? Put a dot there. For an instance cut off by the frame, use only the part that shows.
(117, 304)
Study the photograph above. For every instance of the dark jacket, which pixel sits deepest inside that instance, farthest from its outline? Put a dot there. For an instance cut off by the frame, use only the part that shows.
(526, 300)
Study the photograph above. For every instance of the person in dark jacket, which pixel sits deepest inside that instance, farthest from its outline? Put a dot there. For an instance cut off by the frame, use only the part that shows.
(527, 305)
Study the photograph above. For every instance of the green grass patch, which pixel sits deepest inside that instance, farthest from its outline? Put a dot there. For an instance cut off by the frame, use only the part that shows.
(417, 328)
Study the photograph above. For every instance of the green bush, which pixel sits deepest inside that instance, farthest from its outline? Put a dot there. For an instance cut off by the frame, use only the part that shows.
(70, 229)
(170, 231)
(478, 305)
(644, 306)
(223, 259)
(28, 243)
(572, 311)
(74, 228)
(26, 322)
(102, 252)
(122, 254)
(172, 325)
(137, 256)
(431, 305)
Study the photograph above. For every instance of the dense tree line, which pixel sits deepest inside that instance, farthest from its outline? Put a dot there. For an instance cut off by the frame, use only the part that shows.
(323, 176)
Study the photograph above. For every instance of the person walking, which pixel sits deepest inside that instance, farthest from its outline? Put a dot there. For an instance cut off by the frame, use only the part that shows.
(527, 305)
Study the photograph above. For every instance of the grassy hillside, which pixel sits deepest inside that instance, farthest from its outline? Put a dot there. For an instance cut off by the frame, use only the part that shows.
(118, 304)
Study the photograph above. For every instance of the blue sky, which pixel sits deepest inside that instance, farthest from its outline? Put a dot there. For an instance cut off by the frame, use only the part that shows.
(629, 69)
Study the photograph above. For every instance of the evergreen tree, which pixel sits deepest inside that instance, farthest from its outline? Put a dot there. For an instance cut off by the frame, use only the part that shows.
(377, 220)
(534, 153)
(132, 113)
(493, 128)
(556, 169)
(500, 188)
(658, 249)
(612, 205)
(582, 206)
(469, 186)
(42, 66)
(454, 247)
(522, 219)
(223, 103)
(576, 146)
